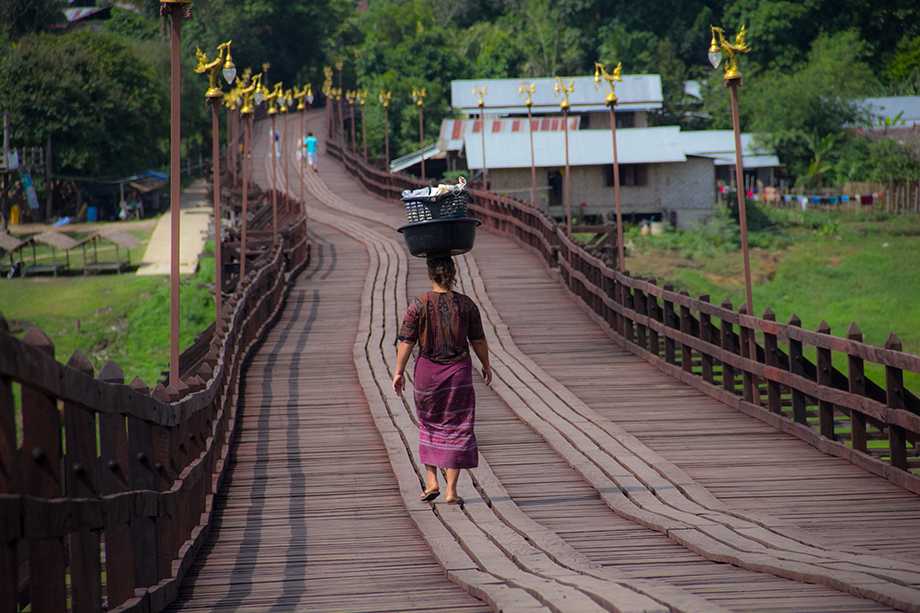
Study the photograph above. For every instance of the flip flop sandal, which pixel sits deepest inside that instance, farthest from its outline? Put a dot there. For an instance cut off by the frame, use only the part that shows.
(428, 496)
(456, 500)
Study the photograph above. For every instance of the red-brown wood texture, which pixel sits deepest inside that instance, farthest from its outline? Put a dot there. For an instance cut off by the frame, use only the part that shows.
(641, 450)
(96, 462)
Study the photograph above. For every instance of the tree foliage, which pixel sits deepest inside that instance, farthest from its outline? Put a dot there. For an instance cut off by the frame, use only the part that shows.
(21, 17)
(102, 104)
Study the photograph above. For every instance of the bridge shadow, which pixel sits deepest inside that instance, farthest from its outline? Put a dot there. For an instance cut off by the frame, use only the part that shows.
(242, 578)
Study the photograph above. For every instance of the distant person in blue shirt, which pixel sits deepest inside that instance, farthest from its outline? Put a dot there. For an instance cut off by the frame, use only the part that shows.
(310, 143)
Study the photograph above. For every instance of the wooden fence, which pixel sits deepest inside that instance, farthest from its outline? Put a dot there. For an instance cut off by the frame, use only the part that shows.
(903, 197)
(106, 488)
(712, 347)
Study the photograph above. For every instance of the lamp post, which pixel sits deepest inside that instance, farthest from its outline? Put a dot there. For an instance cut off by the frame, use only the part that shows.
(339, 65)
(385, 97)
(527, 90)
(286, 105)
(176, 10)
(418, 96)
(327, 93)
(361, 96)
(720, 48)
(350, 97)
(304, 99)
(274, 98)
(600, 72)
(231, 102)
(252, 96)
(480, 93)
(564, 90)
(222, 63)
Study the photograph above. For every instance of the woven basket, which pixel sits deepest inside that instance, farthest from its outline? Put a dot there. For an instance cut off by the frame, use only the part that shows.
(449, 206)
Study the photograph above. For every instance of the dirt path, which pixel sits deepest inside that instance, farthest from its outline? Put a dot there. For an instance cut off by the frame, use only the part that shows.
(193, 227)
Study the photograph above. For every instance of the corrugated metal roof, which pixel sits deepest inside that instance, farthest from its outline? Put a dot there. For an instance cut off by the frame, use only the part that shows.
(454, 131)
(749, 161)
(78, 14)
(639, 92)
(400, 164)
(890, 107)
(586, 148)
(704, 142)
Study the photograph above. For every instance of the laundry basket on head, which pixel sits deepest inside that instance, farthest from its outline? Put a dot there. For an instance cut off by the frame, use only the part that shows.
(438, 221)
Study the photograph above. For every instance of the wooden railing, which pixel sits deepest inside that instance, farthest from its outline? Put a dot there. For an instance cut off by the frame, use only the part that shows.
(755, 364)
(106, 488)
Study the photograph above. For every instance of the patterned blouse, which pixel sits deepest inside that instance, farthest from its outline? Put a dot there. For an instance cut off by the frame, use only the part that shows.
(442, 324)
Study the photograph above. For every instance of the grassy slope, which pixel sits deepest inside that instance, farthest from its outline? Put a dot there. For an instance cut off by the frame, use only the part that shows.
(838, 268)
(123, 318)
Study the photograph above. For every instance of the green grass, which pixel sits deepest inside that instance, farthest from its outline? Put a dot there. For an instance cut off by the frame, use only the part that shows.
(832, 266)
(122, 318)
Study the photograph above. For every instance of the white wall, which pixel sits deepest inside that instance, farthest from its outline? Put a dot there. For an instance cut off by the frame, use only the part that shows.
(685, 187)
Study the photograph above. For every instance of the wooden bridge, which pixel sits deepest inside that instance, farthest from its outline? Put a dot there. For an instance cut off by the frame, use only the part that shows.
(635, 455)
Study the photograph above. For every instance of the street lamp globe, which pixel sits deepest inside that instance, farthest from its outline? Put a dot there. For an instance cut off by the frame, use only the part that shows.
(715, 52)
(229, 71)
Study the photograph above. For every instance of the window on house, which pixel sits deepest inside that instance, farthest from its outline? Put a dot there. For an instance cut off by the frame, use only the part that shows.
(631, 175)
(626, 120)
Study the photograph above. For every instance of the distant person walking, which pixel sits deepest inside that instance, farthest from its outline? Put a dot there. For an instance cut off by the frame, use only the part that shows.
(310, 144)
(445, 324)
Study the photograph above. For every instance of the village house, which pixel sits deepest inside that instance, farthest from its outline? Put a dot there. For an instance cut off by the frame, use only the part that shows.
(665, 172)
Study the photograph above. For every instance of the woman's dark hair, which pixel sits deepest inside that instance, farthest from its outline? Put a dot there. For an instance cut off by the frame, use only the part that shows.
(442, 271)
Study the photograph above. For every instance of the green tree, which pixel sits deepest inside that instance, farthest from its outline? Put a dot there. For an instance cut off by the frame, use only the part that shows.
(903, 70)
(794, 110)
(104, 106)
(637, 49)
(403, 46)
(494, 50)
(551, 46)
(21, 17)
(781, 30)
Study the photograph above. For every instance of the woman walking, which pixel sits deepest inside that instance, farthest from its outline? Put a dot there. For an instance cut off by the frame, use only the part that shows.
(445, 324)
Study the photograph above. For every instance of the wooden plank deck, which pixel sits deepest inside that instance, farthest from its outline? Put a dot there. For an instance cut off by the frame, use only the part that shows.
(550, 492)
(612, 521)
(312, 519)
(741, 460)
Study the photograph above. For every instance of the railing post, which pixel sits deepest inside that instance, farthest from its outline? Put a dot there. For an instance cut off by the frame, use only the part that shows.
(654, 312)
(707, 337)
(114, 478)
(627, 320)
(167, 543)
(747, 348)
(894, 393)
(669, 321)
(825, 378)
(728, 344)
(9, 564)
(772, 358)
(686, 352)
(797, 367)
(80, 479)
(143, 477)
(857, 384)
(41, 456)
(641, 308)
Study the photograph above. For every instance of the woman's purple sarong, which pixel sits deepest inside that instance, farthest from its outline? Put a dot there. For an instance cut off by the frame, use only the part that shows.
(446, 404)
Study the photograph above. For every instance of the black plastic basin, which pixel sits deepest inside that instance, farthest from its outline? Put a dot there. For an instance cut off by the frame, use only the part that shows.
(440, 236)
